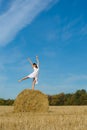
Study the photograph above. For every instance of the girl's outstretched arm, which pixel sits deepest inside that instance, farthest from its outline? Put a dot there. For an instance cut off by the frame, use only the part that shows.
(38, 63)
(30, 61)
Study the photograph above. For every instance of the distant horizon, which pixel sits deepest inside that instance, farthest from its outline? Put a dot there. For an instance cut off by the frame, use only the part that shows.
(44, 93)
(56, 31)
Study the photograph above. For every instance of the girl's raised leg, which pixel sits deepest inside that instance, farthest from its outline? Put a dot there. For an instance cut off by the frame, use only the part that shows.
(23, 79)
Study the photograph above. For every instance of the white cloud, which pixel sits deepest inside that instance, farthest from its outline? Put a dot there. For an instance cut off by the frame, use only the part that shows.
(71, 78)
(83, 30)
(10, 56)
(0, 1)
(71, 82)
(69, 30)
(3, 78)
(49, 52)
(20, 13)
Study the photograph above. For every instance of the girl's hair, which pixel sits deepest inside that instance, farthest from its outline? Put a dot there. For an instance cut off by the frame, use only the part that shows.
(35, 65)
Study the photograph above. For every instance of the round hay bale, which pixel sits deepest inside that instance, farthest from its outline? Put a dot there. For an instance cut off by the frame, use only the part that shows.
(31, 101)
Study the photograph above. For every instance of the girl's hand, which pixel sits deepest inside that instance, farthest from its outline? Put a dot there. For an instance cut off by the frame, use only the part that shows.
(28, 58)
(37, 60)
(30, 61)
(36, 56)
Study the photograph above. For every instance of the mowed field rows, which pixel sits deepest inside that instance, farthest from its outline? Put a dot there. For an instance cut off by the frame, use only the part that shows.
(58, 118)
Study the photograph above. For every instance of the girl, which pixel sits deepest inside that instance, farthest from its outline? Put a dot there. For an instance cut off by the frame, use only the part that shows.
(34, 74)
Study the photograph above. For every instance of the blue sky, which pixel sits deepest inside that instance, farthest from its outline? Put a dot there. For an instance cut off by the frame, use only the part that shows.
(56, 31)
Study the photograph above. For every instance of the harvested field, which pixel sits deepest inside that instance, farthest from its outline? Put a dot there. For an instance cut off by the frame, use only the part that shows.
(58, 118)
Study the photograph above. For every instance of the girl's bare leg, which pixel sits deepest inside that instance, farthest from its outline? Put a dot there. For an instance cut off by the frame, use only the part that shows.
(23, 79)
(33, 84)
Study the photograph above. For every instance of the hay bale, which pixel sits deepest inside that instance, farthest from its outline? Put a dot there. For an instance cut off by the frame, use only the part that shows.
(31, 101)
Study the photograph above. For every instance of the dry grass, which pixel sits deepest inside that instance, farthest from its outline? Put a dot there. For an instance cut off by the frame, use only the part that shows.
(58, 118)
(31, 101)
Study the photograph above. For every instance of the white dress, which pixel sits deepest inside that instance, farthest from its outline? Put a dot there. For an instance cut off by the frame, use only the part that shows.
(34, 74)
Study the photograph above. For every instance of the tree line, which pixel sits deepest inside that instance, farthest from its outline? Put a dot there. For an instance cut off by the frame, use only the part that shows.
(77, 98)
(6, 102)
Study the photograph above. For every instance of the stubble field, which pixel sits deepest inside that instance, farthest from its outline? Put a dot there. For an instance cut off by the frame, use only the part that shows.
(58, 118)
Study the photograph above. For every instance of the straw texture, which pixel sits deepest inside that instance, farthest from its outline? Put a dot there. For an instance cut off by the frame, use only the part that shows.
(31, 101)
